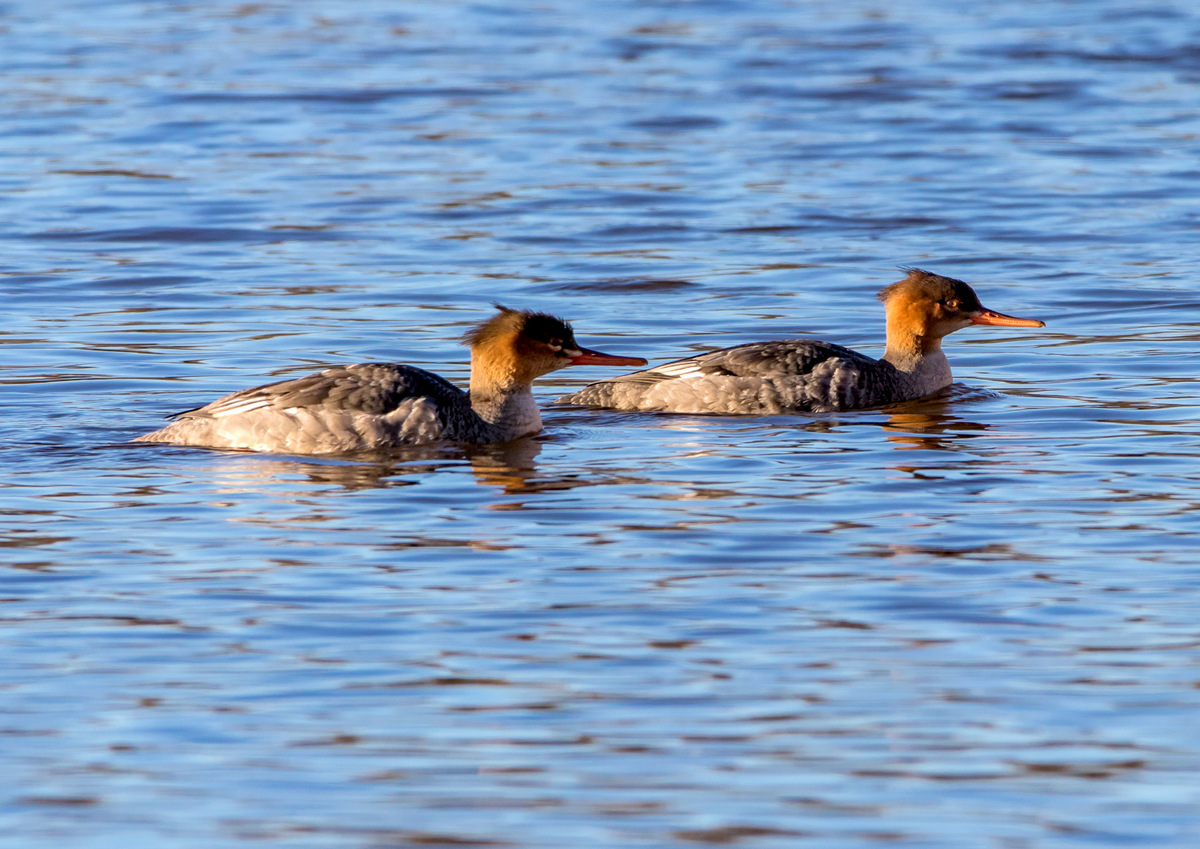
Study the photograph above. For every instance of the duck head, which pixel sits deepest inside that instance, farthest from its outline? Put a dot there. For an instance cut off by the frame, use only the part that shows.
(924, 307)
(514, 347)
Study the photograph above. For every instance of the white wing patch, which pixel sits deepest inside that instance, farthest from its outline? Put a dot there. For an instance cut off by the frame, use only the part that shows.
(680, 369)
(238, 406)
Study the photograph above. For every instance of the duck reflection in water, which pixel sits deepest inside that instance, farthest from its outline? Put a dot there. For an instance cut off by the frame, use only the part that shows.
(509, 466)
(934, 423)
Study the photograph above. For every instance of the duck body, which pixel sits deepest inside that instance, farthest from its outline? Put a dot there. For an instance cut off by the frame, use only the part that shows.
(346, 409)
(376, 406)
(769, 378)
(806, 375)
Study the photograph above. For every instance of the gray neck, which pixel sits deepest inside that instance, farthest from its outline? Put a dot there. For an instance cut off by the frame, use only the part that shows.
(924, 373)
(512, 413)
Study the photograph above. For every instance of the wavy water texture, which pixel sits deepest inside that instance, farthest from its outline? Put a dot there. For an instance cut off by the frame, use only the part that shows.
(963, 623)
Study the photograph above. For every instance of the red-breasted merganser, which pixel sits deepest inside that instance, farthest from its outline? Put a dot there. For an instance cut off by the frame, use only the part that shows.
(803, 375)
(374, 406)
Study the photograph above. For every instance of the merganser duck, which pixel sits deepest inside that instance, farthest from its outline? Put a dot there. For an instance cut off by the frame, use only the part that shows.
(804, 375)
(373, 406)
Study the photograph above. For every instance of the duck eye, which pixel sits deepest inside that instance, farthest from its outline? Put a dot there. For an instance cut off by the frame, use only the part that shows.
(556, 344)
(952, 303)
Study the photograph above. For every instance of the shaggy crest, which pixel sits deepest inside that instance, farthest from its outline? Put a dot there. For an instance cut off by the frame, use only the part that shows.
(926, 284)
(509, 322)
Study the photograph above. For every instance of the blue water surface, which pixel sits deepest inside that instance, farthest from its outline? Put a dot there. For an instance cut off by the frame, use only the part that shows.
(964, 623)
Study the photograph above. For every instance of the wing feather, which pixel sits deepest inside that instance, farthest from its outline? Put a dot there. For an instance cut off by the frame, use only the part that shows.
(376, 388)
(758, 359)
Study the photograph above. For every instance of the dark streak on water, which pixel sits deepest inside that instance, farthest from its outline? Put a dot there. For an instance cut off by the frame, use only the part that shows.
(966, 622)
